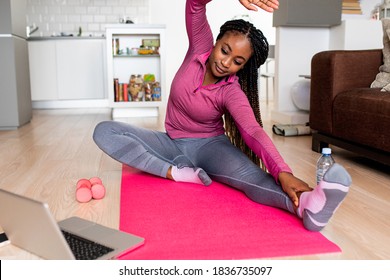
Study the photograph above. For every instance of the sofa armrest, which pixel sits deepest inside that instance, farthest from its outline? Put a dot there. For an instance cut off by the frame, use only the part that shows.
(337, 71)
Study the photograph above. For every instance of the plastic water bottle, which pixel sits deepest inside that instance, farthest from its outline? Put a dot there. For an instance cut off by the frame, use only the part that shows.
(324, 163)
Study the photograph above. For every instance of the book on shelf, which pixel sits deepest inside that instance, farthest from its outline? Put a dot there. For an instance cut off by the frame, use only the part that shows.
(146, 90)
(115, 46)
(351, 7)
(120, 91)
(352, 12)
(116, 90)
(125, 93)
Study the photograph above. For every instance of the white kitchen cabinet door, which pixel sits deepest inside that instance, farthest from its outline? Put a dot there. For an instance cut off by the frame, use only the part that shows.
(43, 70)
(80, 69)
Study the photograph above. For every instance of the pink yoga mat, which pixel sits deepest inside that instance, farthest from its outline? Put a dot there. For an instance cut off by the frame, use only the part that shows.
(185, 221)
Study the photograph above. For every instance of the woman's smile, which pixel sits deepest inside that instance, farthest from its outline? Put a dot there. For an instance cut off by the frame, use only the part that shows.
(219, 69)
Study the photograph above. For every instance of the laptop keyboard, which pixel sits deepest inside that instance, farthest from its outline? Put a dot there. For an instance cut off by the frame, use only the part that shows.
(84, 249)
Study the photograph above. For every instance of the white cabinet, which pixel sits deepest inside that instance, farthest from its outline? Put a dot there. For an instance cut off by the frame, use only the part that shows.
(43, 69)
(124, 60)
(80, 69)
(67, 69)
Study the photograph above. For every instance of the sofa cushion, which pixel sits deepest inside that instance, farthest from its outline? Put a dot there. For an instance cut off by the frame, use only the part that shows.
(363, 116)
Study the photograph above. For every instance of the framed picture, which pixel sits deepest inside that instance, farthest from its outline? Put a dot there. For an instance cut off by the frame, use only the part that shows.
(151, 42)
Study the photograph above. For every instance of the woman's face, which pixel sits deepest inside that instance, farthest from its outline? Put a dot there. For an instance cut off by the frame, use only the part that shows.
(230, 54)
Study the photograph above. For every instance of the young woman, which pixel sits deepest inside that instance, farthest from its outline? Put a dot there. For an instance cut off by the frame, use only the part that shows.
(213, 125)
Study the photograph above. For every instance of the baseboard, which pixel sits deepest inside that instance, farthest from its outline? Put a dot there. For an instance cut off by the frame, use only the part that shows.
(67, 104)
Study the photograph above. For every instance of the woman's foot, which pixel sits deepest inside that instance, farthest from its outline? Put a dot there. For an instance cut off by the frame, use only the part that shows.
(189, 175)
(318, 206)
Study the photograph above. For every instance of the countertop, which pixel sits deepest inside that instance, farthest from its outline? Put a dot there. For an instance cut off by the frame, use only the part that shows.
(66, 36)
(44, 38)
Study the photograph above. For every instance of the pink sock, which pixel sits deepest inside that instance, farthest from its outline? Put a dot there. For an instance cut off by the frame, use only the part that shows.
(190, 175)
(318, 206)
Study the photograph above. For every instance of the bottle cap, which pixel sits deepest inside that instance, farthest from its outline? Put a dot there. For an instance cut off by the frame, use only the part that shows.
(326, 151)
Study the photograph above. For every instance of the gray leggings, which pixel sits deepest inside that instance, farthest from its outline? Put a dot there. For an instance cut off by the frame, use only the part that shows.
(154, 152)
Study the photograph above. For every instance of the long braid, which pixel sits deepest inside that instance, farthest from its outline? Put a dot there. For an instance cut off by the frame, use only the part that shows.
(248, 79)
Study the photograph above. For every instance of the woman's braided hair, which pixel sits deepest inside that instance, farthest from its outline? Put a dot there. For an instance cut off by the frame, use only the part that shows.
(248, 79)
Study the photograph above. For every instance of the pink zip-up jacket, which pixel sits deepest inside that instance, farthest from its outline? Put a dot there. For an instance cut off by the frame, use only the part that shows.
(196, 111)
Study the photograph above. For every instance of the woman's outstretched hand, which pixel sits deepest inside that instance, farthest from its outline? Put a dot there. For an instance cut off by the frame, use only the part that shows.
(293, 186)
(266, 5)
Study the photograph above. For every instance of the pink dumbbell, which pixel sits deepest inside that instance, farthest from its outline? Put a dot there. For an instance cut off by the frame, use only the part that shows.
(88, 189)
(83, 190)
(97, 188)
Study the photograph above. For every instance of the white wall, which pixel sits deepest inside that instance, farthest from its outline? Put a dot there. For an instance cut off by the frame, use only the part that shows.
(296, 47)
(171, 13)
(353, 34)
(56, 16)
(232, 8)
(172, 16)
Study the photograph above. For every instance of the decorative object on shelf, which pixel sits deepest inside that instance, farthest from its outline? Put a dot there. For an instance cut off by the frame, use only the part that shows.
(125, 19)
(156, 92)
(134, 51)
(384, 9)
(151, 43)
(148, 92)
(136, 87)
(139, 88)
(145, 50)
(375, 12)
(148, 47)
(149, 79)
(351, 7)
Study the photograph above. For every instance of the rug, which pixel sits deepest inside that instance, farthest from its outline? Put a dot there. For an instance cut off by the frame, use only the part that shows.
(185, 221)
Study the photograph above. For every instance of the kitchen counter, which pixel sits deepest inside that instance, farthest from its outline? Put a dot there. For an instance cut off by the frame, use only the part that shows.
(44, 38)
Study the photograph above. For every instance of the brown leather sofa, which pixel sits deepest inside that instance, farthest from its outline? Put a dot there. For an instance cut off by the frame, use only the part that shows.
(344, 110)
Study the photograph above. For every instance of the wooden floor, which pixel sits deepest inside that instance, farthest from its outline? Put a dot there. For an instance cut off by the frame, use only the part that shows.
(45, 158)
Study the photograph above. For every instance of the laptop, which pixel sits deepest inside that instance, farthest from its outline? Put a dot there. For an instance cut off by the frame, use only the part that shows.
(30, 225)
